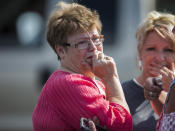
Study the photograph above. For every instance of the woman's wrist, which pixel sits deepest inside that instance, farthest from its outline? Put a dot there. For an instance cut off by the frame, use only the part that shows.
(110, 78)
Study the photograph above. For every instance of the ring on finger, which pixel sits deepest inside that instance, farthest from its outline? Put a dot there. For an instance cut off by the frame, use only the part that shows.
(150, 93)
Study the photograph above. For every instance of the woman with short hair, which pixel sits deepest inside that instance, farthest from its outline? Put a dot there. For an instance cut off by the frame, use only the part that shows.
(72, 92)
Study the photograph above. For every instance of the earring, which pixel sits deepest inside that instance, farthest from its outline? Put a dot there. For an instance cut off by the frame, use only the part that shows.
(140, 65)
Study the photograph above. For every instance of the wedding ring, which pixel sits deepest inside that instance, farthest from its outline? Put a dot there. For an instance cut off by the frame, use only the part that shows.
(150, 93)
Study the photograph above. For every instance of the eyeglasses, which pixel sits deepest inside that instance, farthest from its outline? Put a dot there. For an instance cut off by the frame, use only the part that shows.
(85, 44)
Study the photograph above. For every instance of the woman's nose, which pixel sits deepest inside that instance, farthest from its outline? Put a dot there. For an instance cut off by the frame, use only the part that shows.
(92, 46)
(160, 57)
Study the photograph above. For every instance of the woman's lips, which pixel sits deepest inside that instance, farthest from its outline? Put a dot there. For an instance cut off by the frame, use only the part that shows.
(89, 59)
(159, 65)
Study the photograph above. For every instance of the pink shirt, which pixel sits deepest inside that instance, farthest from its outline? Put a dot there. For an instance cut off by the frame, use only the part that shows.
(66, 98)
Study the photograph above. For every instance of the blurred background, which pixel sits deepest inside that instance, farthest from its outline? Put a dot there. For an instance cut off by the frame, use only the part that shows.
(26, 60)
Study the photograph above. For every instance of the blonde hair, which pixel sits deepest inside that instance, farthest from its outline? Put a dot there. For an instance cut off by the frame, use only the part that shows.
(67, 19)
(162, 23)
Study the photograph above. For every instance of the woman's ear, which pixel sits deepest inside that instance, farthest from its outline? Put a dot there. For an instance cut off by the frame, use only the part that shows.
(60, 51)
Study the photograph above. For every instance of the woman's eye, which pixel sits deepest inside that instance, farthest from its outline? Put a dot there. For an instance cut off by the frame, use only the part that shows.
(150, 49)
(82, 42)
(168, 50)
(95, 39)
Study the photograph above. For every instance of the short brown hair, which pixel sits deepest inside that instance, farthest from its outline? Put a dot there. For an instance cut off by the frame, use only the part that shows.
(67, 19)
(162, 23)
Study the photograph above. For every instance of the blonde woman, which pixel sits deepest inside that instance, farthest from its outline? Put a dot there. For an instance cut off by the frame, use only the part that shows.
(156, 51)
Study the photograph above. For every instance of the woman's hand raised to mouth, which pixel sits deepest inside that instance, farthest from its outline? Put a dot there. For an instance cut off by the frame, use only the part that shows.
(103, 66)
(167, 77)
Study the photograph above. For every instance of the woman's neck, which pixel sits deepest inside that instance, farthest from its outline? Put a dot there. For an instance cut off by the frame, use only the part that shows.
(66, 69)
(88, 74)
(141, 79)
